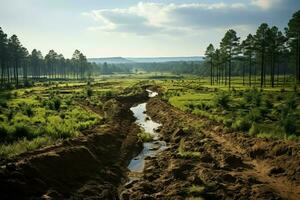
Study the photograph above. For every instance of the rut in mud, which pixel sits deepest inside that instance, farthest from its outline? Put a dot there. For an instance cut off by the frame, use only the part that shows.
(226, 166)
(150, 148)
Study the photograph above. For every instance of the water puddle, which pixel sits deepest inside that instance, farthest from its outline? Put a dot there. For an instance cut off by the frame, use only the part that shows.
(149, 148)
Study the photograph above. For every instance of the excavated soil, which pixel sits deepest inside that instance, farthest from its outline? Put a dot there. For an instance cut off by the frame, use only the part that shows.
(229, 165)
(88, 167)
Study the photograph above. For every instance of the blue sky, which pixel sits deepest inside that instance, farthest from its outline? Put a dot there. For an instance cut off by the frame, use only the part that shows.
(103, 28)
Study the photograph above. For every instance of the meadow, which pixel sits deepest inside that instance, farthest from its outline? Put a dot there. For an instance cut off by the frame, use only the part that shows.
(50, 112)
(53, 111)
(268, 112)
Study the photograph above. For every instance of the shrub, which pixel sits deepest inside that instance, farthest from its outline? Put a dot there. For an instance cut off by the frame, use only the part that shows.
(60, 129)
(228, 122)
(254, 114)
(253, 97)
(68, 101)
(144, 136)
(27, 110)
(89, 92)
(203, 106)
(288, 122)
(241, 124)
(3, 132)
(22, 130)
(291, 102)
(108, 94)
(190, 106)
(222, 99)
(56, 103)
(253, 130)
(268, 104)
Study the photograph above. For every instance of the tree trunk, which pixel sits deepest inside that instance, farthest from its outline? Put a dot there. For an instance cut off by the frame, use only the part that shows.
(211, 72)
(278, 64)
(2, 73)
(243, 72)
(17, 73)
(250, 70)
(272, 70)
(229, 74)
(262, 68)
(225, 73)
(298, 57)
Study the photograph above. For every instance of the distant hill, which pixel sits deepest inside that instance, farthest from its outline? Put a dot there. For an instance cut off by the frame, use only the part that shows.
(166, 59)
(110, 60)
(121, 60)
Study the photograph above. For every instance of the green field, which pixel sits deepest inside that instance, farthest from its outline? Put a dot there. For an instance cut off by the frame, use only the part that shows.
(50, 112)
(270, 112)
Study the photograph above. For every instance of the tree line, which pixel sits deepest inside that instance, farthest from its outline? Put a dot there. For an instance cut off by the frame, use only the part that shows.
(262, 58)
(18, 65)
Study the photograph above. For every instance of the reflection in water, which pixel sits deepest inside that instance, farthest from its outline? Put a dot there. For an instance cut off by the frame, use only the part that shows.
(150, 148)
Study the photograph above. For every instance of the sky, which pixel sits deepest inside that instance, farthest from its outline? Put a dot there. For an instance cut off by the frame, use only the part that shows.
(135, 28)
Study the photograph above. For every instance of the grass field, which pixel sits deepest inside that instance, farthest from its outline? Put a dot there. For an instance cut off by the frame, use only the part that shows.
(270, 112)
(50, 112)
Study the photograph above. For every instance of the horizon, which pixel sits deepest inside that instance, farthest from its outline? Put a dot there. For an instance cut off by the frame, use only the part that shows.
(133, 28)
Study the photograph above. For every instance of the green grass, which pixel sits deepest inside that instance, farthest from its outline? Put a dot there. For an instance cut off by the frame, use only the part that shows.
(144, 136)
(196, 190)
(57, 110)
(24, 145)
(239, 108)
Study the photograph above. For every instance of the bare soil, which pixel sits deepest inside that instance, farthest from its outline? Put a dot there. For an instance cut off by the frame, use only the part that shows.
(230, 166)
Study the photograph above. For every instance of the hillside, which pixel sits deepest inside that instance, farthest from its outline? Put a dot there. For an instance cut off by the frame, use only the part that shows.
(121, 60)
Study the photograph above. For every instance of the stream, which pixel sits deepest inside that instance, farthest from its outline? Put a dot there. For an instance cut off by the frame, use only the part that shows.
(137, 164)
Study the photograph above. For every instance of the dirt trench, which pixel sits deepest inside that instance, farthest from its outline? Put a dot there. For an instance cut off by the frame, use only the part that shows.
(228, 165)
(89, 167)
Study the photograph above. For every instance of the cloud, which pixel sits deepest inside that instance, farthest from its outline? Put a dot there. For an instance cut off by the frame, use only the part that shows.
(265, 4)
(147, 18)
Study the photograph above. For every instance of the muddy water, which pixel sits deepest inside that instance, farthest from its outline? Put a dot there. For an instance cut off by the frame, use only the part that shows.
(149, 148)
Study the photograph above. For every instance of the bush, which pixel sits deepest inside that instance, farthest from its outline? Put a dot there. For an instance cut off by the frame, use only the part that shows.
(253, 97)
(3, 132)
(288, 122)
(253, 130)
(57, 103)
(268, 104)
(228, 122)
(241, 124)
(54, 103)
(22, 130)
(27, 110)
(68, 101)
(144, 136)
(222, 99)
(89, 92)
(254, 115)
(291, 102)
